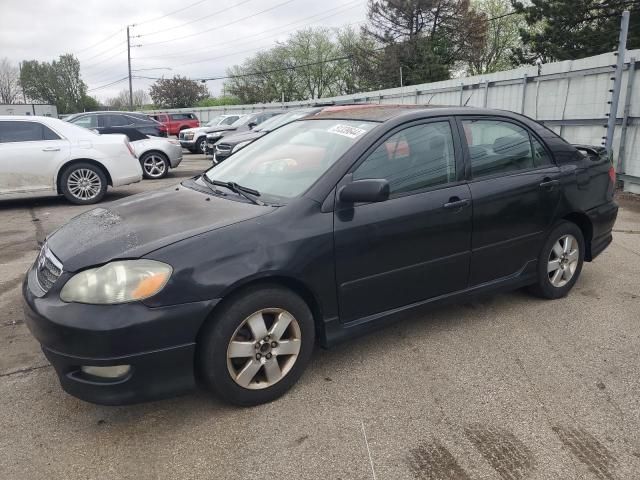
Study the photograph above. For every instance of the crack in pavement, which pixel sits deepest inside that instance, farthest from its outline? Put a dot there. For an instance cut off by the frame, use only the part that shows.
(24, 370)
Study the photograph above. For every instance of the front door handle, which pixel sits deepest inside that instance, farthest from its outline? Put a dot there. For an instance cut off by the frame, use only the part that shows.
(51, 149)
(549, 184)
(455, 203)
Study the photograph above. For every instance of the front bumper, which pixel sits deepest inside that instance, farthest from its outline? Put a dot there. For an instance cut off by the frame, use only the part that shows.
(188, 144)
(158, 344)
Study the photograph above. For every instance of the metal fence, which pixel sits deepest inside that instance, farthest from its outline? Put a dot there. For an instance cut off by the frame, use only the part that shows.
(573, 98)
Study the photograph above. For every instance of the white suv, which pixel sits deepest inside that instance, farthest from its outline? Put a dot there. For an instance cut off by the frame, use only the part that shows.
(42, 156)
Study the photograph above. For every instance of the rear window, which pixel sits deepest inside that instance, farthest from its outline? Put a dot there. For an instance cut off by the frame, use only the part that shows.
(11, 132)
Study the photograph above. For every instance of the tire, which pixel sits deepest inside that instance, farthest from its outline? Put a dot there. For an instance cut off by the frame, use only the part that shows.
(155, 165)
(83, 183)
(242, 322)
(201, 145)
(559, 269)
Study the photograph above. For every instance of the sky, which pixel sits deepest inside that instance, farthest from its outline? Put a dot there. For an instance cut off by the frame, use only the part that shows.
(193, 38)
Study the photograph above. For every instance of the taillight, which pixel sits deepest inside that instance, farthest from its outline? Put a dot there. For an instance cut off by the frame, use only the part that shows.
(130, 147)
(612, 175)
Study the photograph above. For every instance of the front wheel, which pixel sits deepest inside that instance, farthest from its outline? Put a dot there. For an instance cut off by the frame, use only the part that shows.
(155, 165)
(257, 346)
(560, 261)
(83, 183)
(202, 145)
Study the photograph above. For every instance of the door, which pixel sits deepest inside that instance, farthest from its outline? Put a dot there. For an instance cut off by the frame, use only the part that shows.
(515, 189)
(416, 245)
(29, 155)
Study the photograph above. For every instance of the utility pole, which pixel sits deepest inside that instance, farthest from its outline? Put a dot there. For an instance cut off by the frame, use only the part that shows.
(129, 62)
(617, 85)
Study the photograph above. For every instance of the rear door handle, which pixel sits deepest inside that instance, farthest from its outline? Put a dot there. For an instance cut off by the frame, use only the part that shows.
(51, 149)
(455, 203)
(549, 184)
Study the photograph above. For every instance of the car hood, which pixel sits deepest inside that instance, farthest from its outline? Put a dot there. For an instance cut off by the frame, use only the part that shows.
(219, 128)
(243, 137)
(137, 225)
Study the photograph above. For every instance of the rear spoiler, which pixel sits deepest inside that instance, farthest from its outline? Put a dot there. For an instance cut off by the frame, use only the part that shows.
(595, 152)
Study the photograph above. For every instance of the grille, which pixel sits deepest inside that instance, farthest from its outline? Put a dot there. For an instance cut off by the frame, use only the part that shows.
(48, 269)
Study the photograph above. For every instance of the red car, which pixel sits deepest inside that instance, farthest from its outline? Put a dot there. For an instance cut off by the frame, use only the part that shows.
(176, 122)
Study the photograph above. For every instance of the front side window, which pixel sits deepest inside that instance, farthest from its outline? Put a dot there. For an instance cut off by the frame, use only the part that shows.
(11, 132)
(498, 147)
(413, 159)
(285, 163)
(229, 120)
(86, 121)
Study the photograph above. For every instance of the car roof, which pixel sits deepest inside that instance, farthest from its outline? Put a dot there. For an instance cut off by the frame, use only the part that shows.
(383, 113)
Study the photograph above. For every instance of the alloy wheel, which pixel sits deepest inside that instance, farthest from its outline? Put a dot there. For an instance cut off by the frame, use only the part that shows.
(264, 348)
(202, 146)
(154, 166)
(563, 261)
(84, 184)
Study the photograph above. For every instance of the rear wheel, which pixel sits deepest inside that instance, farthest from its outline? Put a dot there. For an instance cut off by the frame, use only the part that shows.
(83, 183)
(257, 346)
(155, 165)
(560, 261)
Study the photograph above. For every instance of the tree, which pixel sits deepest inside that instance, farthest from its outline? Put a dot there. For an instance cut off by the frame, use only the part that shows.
(121, 101)
(177, 92)
(501, 41)
(9, 82)
(57, 83)
(570, 29)
(425, 37)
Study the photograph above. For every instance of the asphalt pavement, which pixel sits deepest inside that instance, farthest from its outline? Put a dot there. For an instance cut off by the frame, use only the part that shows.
(510, 387)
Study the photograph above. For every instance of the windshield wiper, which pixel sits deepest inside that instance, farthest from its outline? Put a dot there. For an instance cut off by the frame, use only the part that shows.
(246, 192)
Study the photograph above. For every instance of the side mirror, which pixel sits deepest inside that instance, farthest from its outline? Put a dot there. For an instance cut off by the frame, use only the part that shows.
(252, 125)
(368, 191)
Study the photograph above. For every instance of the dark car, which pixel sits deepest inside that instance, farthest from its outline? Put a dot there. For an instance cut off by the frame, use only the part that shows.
(318, 232)
(139, 121)
(245, 123)
(236, 141)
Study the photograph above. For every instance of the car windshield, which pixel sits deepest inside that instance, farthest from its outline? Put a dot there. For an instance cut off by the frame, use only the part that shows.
(279, 120)
(215, 121)
(243, 120)
(285, 163)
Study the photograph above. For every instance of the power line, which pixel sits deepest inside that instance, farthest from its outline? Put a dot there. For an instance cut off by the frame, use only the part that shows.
(181, 9)
(275, 70)
(108, 84)
(217, 27)
(199, 19)
(341, 9)
(119, 52)
(110, 49)
(109, 37)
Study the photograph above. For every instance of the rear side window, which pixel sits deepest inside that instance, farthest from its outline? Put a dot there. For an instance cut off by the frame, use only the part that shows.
(11, 132)
(182, 116)
(497, 147)
(413, 159)
(117, 120)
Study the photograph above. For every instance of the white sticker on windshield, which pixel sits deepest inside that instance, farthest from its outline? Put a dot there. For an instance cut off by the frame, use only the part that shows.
(347, 131)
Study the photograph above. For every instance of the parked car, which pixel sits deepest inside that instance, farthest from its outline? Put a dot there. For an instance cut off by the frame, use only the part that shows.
(44, 156)
(195, 139)
(320, 231)
(140, 121)
(176, 122)
(243, 124)
(156, 154)
(236, 141)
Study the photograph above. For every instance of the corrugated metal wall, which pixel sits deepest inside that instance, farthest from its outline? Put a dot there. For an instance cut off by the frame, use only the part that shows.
(570, 97)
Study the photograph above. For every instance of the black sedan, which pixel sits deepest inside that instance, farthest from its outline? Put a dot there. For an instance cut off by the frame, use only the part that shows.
(318, 232)
(237, 141)
(140, 121)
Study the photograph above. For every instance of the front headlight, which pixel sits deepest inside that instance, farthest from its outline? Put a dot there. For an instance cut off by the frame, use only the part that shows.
(240, 145)
(189, 136)
(117, 282)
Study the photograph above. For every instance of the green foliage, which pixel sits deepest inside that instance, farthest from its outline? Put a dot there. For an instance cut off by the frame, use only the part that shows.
(569, 29)
(57, 83)
(219, 101)
(177, 92)
(311, 63)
